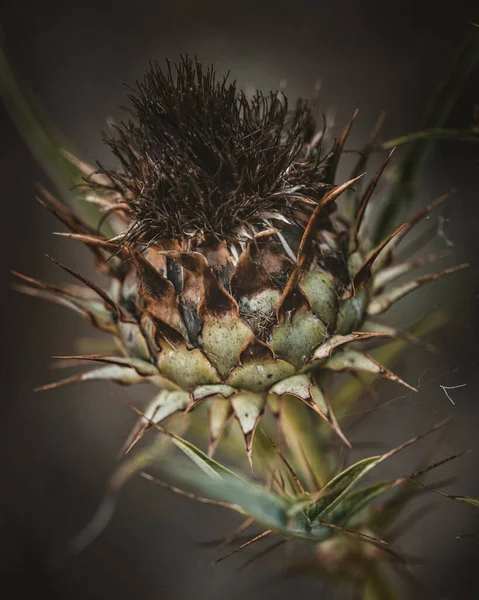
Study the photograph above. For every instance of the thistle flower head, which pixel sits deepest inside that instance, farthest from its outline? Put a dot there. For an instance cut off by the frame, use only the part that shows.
(233, 278)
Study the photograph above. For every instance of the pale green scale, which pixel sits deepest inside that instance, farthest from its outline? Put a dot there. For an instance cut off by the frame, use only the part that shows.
(218, 389)
(294, 339)
(351, 313)
(248, 408)
(259, 375)
(222, 340)
(320, 290)
(134, 341)
(355, 262)
(187, 368)
(298, 385)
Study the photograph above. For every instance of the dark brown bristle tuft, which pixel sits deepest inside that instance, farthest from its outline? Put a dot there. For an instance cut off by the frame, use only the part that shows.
(202, 161)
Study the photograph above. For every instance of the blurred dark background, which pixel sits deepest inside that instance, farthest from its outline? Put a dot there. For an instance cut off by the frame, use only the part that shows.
(58, 448)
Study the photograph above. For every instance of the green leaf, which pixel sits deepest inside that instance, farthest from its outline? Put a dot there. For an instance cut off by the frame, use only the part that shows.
(337, 488)
(334, 492)
(290, 517)
(273, 511)
(354, 502)
(208, 465)
(217, 482)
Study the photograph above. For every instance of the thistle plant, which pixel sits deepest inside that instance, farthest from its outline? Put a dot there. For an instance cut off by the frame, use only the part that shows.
(243, 280)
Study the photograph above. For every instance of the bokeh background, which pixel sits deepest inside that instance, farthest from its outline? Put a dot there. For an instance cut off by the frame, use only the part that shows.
(58, 448)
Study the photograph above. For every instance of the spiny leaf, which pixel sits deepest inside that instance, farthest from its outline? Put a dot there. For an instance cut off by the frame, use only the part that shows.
(358, 499)
(273, 511)
(268, 509)
(217, 482)
(337, 488)
(333, 492)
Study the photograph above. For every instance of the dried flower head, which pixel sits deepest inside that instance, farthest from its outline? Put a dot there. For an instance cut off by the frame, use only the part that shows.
(233, 278)
(202, 161)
